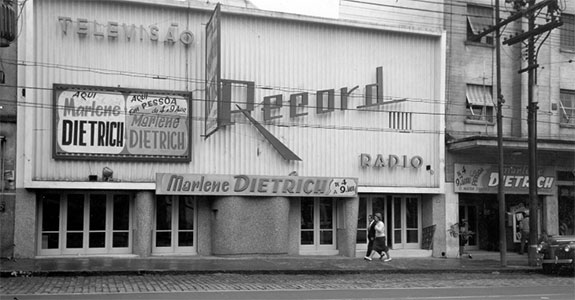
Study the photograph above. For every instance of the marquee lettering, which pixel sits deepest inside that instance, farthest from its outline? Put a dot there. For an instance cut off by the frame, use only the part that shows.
(129, 32)
(299, 103)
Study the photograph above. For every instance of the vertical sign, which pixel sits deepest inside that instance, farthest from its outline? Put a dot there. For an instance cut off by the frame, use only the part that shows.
(213, 76)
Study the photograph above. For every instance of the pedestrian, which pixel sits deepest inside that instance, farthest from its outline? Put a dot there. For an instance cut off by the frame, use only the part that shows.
(524, 227)
(370, 237)
(380, 243)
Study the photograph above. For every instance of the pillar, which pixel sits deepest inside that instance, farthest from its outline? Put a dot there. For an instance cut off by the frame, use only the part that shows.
(347, 210)
(25, 224)
(451, 217)
(294, 234)
(143, 223)
(551, 214)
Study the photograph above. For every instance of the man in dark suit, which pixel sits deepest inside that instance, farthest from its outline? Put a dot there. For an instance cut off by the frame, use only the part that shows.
(370, 237)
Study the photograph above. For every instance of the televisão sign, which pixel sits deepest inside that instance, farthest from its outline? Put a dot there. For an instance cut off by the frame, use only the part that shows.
(97, 123)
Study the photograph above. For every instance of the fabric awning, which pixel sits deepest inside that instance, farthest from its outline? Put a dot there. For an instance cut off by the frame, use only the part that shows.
(479, 95)
(479, 24)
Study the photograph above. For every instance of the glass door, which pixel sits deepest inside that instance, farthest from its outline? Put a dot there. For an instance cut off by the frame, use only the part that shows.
(405, 220)
(78, 223)
(317, 233)
(174, 231)
(468, 217)
(368, 205)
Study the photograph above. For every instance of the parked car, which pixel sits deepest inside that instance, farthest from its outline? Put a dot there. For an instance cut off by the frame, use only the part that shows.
(557, 252)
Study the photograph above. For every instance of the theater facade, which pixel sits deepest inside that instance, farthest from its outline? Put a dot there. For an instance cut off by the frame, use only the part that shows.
(151, 128)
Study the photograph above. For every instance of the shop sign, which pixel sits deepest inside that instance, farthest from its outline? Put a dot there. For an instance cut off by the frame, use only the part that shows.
(112, 30)
(249, 185)
(215, 115)
(301, 104)
(115, 123)
(391, 161)
(484, 179)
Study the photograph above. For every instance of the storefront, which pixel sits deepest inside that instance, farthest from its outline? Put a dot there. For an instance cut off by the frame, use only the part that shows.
(186, 129)
(477, 185)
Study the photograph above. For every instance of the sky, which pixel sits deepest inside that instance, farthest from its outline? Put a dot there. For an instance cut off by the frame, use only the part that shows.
(320, 8)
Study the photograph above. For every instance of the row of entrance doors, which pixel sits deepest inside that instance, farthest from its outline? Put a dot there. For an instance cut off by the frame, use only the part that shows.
(101, 223)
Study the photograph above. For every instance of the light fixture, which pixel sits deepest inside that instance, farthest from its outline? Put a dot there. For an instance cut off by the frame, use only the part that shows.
(516, 153)
(107, 174)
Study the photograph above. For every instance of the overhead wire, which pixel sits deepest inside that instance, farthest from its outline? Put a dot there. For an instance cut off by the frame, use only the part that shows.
(199, 81)
(279, 124)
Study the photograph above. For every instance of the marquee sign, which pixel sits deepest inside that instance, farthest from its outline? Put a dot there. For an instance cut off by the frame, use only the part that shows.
(249, 185)
(116, 123)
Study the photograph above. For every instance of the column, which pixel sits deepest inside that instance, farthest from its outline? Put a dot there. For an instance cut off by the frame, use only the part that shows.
(143, 223)
(347, 210)
(25, 224)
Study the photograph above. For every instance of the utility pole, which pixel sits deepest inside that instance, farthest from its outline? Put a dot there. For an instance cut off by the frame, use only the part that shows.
(500, 101)
(530, 12)
(532, 139)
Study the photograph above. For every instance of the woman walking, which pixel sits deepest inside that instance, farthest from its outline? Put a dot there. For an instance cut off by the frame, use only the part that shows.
(380, 243)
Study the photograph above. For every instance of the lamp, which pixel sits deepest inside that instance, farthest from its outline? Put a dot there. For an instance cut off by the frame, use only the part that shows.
(107, 174)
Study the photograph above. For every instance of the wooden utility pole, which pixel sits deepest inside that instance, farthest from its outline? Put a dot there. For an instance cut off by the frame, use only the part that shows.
(500, 101)
(530, 12)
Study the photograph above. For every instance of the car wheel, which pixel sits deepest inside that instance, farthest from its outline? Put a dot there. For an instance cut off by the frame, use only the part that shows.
(548, 268)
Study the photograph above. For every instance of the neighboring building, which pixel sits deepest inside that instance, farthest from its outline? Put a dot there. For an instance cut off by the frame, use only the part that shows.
(471, 133)
(8, 82)
(127, 147)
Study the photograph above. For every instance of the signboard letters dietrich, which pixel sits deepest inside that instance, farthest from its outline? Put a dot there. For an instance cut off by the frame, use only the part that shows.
(249, 185)
(485, 179)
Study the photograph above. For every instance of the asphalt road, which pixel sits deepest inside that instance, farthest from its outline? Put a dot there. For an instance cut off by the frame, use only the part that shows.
(525, 293)
(282, 286)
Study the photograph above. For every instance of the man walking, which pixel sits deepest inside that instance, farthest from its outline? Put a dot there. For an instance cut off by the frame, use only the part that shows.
(524, 227)
(370, 237)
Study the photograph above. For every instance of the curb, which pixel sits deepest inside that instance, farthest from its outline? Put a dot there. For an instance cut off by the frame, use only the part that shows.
(5, 274)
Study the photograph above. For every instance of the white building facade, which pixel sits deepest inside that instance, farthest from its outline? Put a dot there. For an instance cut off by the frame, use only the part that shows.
(181, 128)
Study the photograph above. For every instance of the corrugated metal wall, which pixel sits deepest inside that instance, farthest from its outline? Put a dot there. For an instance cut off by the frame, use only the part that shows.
(281, 57)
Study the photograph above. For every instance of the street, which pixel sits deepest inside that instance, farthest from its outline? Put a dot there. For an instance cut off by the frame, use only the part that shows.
(284, 286)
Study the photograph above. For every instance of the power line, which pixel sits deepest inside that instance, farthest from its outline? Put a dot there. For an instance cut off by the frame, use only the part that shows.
(51, 107)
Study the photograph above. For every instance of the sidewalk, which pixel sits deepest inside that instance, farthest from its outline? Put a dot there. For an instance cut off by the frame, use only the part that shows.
(70, 266)
(67, 266)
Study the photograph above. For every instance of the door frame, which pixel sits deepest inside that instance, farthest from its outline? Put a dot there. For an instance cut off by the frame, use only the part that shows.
(85, 231)
(362, 246)
(403, 222)
(317, 248)
(474, 237)
(174, 249)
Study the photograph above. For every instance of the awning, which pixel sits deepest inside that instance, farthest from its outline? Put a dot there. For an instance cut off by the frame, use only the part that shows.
(479, 95)
(479, 24)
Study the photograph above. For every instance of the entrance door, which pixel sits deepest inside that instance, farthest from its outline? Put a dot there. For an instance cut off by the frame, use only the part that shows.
(468, 213)
(78, 223)
(318, 234)
(175, 225)
(405, 222)
(368, 205)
